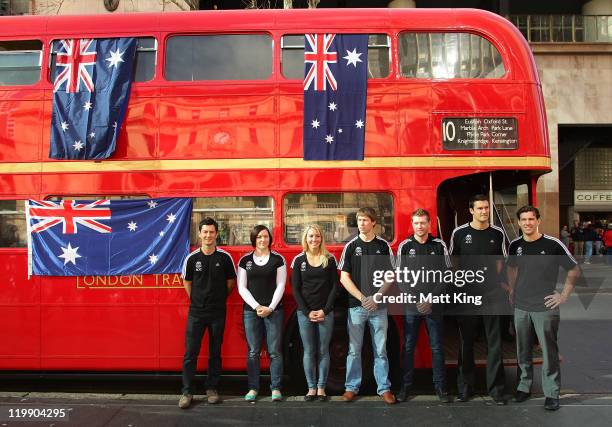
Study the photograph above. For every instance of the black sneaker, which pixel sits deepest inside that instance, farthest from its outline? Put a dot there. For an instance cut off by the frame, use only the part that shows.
(551, 404)
(466, 394)
(443, 396)
(403, 394)
(521, 396)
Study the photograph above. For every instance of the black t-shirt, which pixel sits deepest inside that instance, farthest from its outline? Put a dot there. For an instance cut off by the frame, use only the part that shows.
(377, 255)
(261, 279)
(479, 249)
(314, 288)
(431, 258)
(538, 265)
(208, 275)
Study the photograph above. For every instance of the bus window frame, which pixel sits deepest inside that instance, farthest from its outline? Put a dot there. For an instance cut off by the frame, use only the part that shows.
(41, 61)
(338, 245)
(502, 53)
(270, 79)
(390, 50)
(272, 195)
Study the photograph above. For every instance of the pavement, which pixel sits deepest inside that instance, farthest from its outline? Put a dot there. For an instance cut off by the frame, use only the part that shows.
(131, 410)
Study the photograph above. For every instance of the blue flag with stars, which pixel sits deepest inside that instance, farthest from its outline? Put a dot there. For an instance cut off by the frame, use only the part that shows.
(335, 87)
(91, 87)
(107, 237)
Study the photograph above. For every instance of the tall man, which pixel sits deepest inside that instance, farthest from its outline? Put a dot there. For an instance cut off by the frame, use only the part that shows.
(422, 250)
(361, 256)
(479, 245)
(533, 269)
(209, 275)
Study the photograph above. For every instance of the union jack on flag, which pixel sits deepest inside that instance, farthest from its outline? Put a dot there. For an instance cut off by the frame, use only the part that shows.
(78, 60)
(69, 213)
(320, 57)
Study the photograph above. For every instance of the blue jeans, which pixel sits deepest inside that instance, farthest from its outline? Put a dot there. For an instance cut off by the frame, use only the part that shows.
(255, 328)
(434, 324)
(609, 250)
(316, 336)
(378, 324)
(588, 251)
(196, 327)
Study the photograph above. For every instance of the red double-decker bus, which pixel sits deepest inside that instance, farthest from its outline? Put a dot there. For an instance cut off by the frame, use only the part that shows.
(454, 107)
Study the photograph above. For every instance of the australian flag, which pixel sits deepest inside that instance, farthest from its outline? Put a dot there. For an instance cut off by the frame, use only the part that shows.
(335, 86)
(91, 88)
(107, 237)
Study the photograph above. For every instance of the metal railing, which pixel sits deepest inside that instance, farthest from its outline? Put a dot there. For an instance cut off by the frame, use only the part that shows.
(564, 28)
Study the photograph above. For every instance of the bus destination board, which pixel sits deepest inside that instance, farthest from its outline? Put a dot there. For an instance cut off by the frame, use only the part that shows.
(479, 133)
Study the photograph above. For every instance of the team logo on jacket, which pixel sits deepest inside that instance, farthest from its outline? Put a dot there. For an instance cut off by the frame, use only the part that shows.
(378, 251)
(543, 253)
(468, 239)
(519, 251)
(249, 265)
(198, 266)
(217, 265)
(492, 241)
(358, 251)
(303, 266)
(411, 253)
(432, 253)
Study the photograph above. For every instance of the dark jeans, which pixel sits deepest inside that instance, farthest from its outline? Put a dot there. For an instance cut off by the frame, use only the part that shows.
(255, 328)
(468, 331)
(434, 325)
(196, 327)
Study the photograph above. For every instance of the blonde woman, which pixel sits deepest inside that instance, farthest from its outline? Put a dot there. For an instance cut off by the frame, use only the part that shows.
(315, 284)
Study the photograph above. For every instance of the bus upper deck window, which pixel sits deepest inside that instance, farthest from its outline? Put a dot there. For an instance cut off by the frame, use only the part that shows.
(20, 62)
(218, 57)
(449, 56)
(292, 56)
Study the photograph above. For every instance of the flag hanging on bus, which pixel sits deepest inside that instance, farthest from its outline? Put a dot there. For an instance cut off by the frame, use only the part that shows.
(335, 83)
(107, 237)
(91, 87)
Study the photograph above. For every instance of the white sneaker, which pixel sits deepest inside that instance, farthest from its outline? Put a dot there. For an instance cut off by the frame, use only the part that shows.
(185, 401)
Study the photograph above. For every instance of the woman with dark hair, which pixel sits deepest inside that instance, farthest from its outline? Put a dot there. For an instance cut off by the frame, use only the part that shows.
(315, 285)
(261, 283)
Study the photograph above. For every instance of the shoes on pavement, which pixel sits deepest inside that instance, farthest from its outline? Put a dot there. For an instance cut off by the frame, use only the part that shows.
(521, 396)
(465, 395)
(551, 404)
(388, 398)
(310, 397)
(403, 394)
(277, 396)
(251, 396)
(443, 396)
(212, 396)
(499, 400)
(348, 396)
(185, 401)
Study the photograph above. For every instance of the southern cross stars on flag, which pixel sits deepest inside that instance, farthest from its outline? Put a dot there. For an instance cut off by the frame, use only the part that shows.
(91, 88)
(107, 237)
(335, 83)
